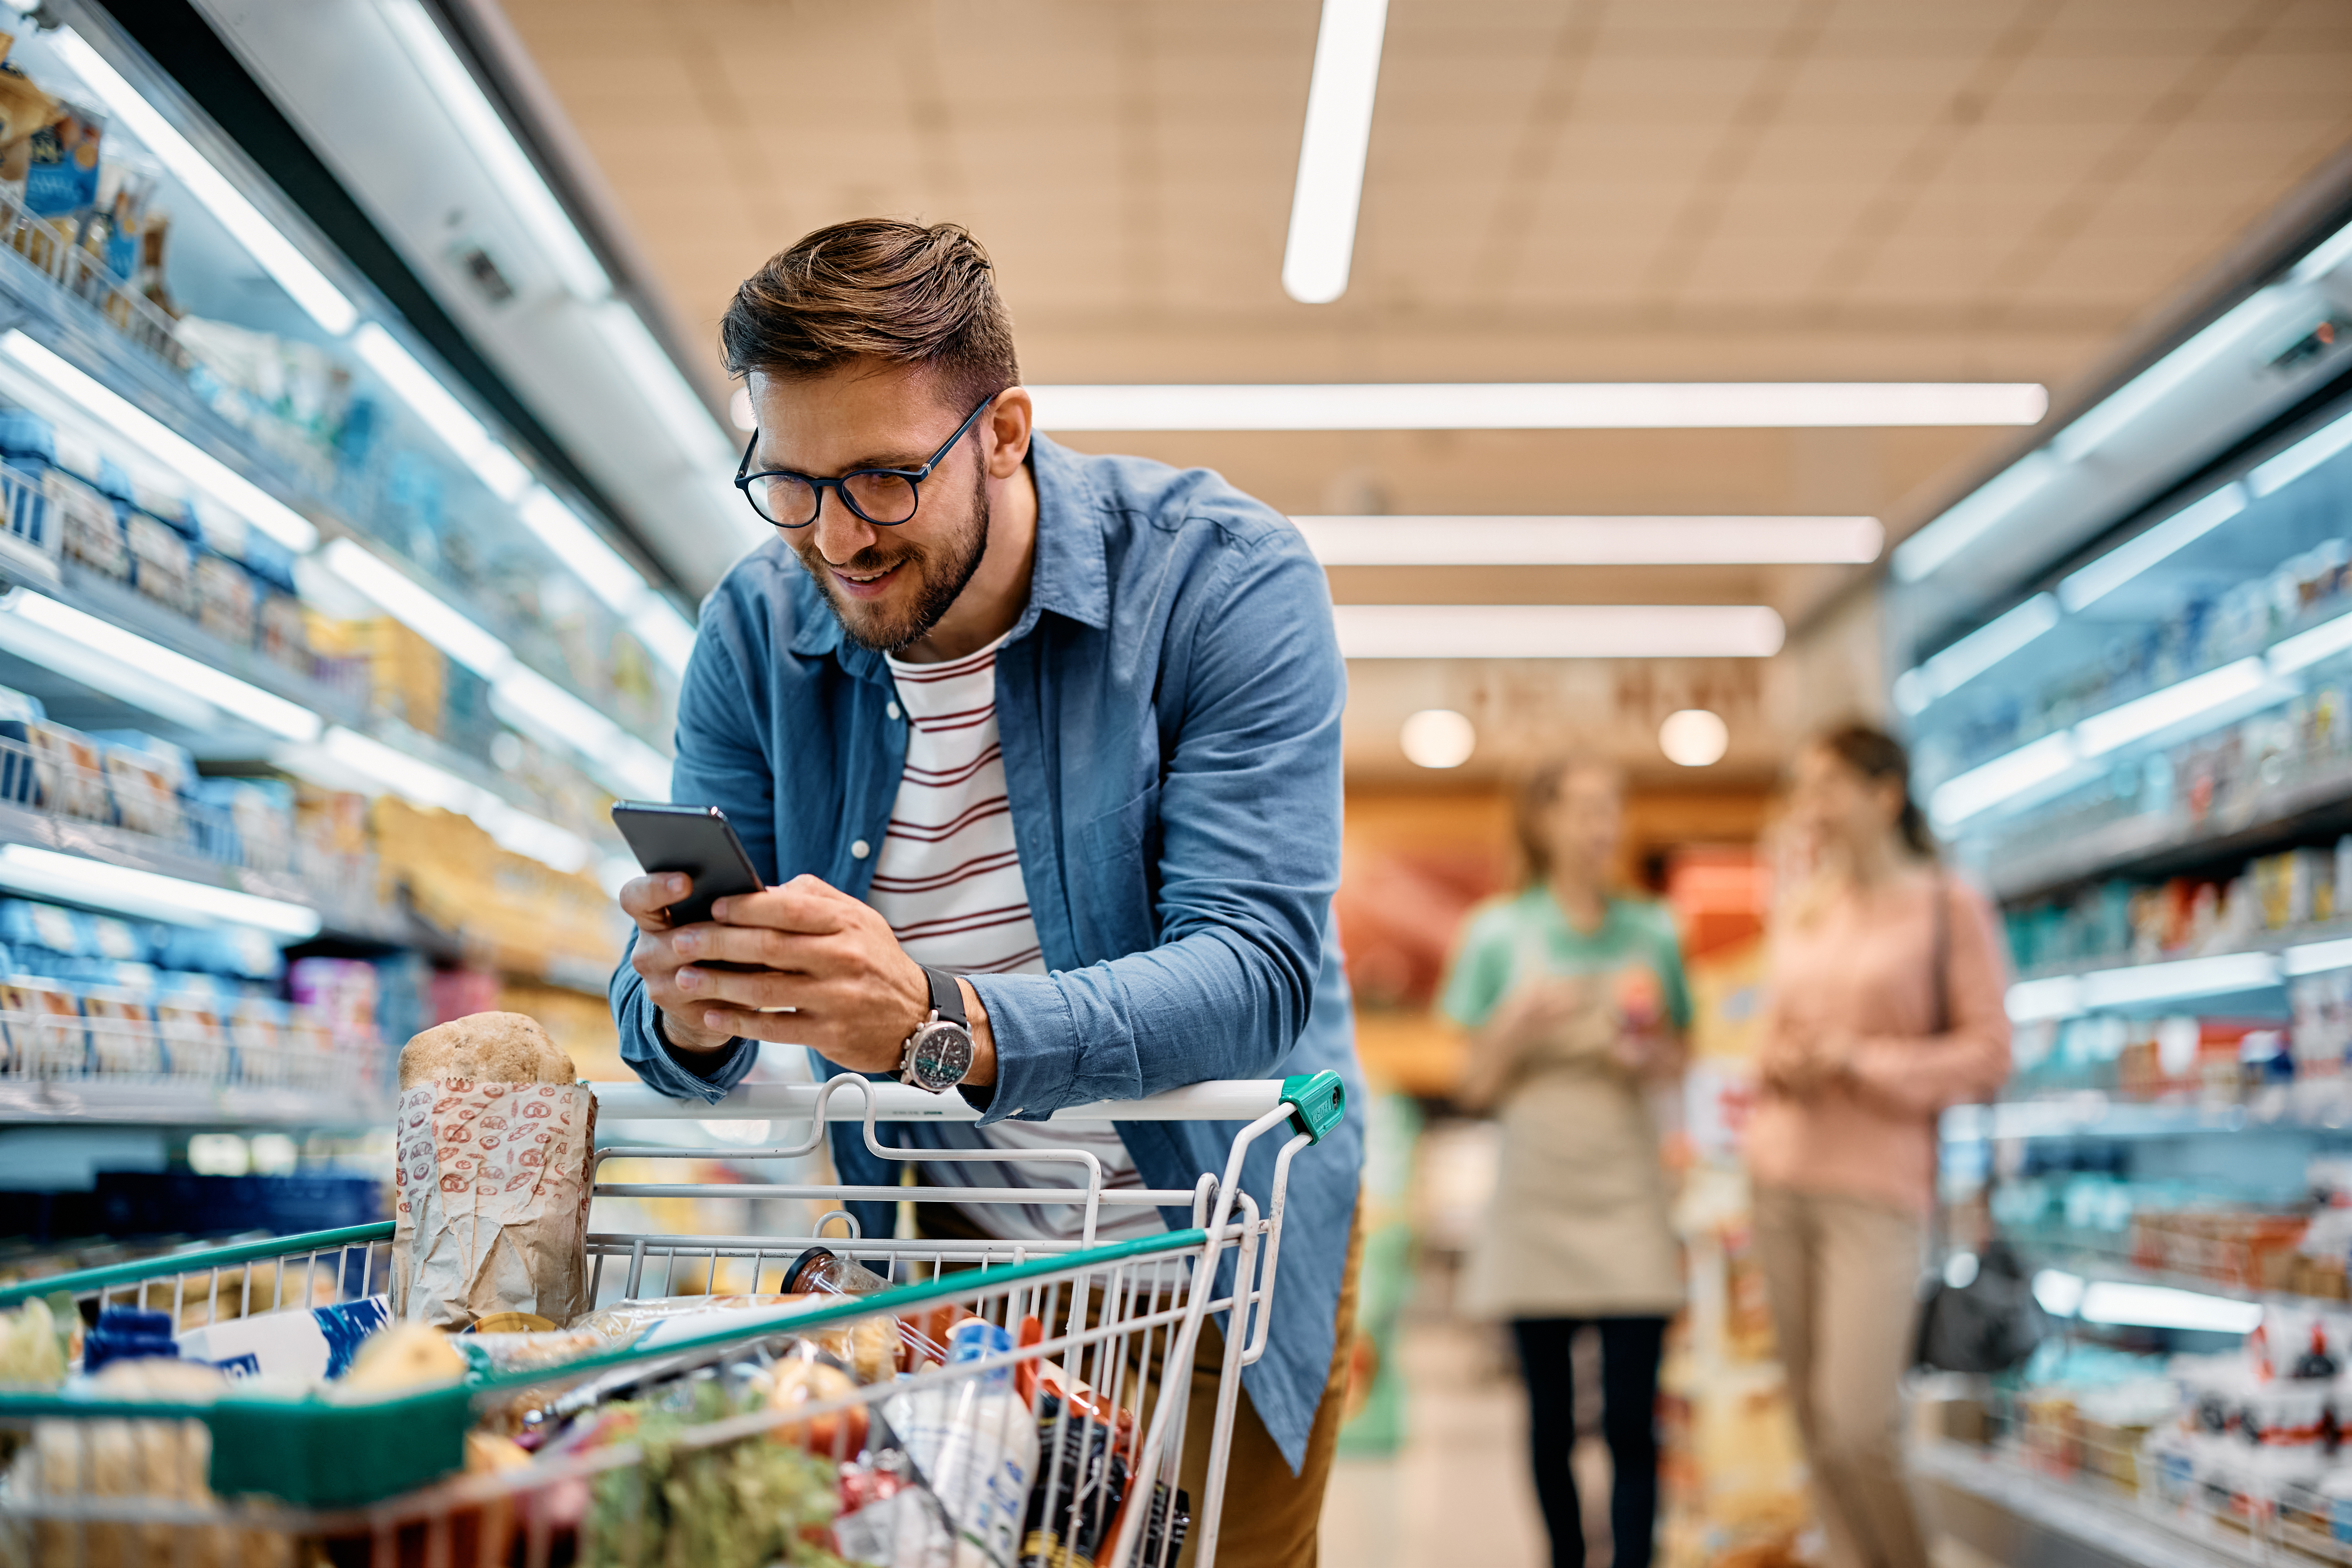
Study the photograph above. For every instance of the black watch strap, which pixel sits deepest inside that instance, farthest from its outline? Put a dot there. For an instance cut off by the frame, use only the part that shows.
(947, 996)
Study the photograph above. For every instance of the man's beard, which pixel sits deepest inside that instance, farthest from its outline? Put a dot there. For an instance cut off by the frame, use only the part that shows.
(938, 583)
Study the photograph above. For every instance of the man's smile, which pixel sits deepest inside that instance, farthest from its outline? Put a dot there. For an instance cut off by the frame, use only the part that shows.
(868, 583)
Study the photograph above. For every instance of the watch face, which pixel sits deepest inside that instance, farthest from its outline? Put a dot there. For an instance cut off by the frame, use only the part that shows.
(942, 1055)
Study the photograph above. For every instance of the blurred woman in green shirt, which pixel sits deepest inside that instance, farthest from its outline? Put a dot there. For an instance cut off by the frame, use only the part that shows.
(1575, 1002)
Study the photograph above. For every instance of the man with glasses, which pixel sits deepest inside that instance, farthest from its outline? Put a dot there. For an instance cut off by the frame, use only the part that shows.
(1039, 753)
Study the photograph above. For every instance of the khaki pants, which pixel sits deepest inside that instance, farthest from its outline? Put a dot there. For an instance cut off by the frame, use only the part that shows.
(1271, 1517)
(1844, 1277)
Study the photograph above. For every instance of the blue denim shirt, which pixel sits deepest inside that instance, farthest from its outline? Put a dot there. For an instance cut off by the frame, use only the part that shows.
(1169, 704)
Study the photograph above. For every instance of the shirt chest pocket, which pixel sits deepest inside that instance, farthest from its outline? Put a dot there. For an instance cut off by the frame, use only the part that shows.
(1114, 880)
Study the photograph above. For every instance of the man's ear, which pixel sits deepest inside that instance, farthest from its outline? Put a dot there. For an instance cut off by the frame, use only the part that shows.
(1010, 424)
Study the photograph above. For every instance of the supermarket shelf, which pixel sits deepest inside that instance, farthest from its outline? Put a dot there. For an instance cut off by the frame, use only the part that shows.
(2092, 1264)
(2153, 840)
(2055, 1524)
(2094, 1114)
(176, 1102)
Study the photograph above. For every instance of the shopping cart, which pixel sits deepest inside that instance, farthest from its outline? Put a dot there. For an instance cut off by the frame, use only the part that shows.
(1090, 1346)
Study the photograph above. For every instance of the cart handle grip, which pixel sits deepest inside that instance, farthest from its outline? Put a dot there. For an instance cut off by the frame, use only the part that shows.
(1317, 1102)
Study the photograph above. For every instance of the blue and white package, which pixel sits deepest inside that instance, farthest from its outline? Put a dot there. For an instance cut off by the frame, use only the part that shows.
(302, 1341)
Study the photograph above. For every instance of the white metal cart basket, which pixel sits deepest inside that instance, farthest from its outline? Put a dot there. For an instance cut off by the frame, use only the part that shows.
(994, 1405)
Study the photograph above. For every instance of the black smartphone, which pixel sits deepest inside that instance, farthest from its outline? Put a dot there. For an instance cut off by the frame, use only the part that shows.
(696, 839)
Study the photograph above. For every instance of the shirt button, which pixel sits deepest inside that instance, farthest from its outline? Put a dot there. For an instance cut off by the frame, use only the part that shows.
(860, 850)
(891, 709)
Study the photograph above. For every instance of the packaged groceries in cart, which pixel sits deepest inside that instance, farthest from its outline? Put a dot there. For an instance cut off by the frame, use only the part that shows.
(871, 1401)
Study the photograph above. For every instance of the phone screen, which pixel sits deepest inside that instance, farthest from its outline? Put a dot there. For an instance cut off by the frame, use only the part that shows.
(696, 839)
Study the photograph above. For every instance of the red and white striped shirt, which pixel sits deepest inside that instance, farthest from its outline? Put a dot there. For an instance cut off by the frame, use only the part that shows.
(949, 882)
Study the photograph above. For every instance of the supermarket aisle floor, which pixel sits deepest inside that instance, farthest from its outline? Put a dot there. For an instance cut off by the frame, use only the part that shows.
(1458, 1492)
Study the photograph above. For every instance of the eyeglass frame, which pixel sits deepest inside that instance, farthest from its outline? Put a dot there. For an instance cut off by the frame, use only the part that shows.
(914, 477)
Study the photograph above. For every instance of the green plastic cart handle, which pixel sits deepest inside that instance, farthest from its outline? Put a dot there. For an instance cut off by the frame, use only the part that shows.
(1317, 1102)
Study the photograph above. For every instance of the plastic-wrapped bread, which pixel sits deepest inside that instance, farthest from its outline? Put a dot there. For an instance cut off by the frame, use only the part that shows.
(495, 1146)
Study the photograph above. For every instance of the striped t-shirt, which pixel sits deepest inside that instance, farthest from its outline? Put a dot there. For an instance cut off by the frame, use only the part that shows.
(949, 882)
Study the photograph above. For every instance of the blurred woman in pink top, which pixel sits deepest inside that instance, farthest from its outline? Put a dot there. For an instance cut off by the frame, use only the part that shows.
(1887, 987)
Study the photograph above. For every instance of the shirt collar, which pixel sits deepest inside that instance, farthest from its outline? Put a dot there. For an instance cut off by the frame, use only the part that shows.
(1069, 576)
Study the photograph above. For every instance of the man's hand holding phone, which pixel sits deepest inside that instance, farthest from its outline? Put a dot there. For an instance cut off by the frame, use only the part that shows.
(852, 993)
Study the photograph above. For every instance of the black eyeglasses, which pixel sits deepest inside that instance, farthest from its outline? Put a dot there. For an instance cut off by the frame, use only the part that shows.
(884, 497)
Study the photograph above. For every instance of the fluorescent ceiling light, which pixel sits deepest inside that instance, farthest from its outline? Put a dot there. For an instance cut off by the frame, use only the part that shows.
(1590, 540)
(294, 271)
(2317, 957)
(2003, 778)
(2299, 459)
(2144, 549)
(497, 467)
(1964, 660)
(2309, 647)
(419, 609)
(1558, 631)
(1967, 519)
(663, 385)
(1536, 406)
(2144, 391)
(2216, 976)
(422, 782)
(147, 894)
(509, 166)
(583, 550)
(1339, 130)
(238, 698)
(2144, 716)
(2324, 257)
(200, 469)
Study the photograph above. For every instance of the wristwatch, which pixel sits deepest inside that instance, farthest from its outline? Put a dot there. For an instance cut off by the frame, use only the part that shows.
(938, 1053)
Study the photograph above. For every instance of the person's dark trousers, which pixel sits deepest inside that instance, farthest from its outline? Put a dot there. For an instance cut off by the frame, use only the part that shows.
(1630, 1349)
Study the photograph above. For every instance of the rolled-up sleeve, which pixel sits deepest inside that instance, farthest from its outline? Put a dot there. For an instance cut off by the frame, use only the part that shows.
(720, 762)
(1248, 819)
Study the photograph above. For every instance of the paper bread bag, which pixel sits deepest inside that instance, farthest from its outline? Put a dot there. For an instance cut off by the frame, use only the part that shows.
(494, 1144)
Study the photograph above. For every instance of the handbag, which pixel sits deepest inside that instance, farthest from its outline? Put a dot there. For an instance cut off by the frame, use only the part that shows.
(1977, 1314)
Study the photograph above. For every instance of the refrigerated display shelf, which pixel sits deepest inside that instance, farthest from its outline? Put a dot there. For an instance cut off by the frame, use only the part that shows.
(2058, 1524)
(2096, 1264)
(171, 1103)
(2092, 1113)
(2152, 843)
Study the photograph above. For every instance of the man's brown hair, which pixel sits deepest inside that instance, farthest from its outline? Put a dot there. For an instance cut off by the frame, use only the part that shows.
(880, 288)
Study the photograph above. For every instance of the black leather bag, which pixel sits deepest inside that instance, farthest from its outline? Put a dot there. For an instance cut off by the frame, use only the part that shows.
(1980, 1316)
(1989, 1323)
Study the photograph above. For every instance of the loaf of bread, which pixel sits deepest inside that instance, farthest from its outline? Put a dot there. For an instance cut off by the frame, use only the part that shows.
(484, 1048)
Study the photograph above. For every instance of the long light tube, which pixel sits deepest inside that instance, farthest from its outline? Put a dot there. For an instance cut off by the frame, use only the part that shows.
(519, 694)
(2137, 396)
(414, 779)
(497, 467)
(2144, 716)
(1590, 540)
(2054, 997)
(1536, 406)
(2005, 777)
(2219, 976)
(294, 271)
(2277, 473)
(662, 383)
(1330, 192)
(2308, 648)
(1970, 518)
(174, 451)
(239, 698)
(1558, 631)
(2324, 257)
(2145, 549)
(510, 167)
(45, 873)
(2317, 957)
(585, 551)
(1964, 660)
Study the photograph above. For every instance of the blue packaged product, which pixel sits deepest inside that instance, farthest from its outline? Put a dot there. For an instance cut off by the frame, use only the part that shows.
(61, 177)
(125, 1333)
(25, 923)
(269, 560)
(17, 712)
(239, 952)
(27, 437)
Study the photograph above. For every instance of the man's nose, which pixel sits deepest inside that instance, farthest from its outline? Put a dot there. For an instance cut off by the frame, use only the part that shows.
(839, 533)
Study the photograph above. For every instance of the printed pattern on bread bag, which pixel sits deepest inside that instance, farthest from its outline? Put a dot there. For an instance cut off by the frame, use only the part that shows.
(492, 1212)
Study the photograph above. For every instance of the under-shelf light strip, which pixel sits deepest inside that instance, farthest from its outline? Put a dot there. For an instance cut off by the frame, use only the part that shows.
(164, 446)
(417, 780)
(48, 873)
(153, 662)
(1974, 654)
(2258, 678)
(2123, 1304)
(1944, 536)
(524, 697)
(279, 257)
